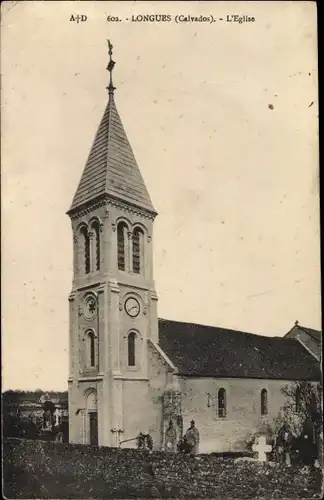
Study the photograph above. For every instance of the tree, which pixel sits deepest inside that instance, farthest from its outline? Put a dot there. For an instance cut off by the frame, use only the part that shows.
(48, 415)
(303, 411)
(49, 406)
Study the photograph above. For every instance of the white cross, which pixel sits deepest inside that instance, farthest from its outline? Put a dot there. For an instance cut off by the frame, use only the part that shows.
(57, 414)
(262, 448)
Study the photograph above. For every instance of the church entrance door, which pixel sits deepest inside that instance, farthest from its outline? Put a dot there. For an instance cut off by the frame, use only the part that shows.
(93, 428)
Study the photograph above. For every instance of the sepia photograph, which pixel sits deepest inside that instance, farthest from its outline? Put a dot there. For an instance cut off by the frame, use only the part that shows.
(161, 277)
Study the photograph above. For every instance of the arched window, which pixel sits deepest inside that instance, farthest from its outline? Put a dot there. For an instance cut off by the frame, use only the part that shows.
(137, 250)
(86, 249)
(298, 399)
(96, 245)
(221, 403)
(92, 349)
(264, 402)
(121, 246)
(131, 348)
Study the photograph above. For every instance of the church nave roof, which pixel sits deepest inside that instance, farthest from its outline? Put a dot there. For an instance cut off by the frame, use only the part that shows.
(200, 350)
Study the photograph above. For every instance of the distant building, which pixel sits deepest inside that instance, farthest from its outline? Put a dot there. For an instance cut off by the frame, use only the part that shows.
(30, 404)
(45, 397)
(131, 372)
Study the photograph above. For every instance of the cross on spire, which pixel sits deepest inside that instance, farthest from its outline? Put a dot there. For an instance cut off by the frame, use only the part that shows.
(110, 68)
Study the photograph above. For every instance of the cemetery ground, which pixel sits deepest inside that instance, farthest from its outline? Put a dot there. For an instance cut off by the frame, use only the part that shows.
(38, 469)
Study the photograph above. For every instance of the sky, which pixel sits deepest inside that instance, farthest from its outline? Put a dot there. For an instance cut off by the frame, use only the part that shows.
(223, 121)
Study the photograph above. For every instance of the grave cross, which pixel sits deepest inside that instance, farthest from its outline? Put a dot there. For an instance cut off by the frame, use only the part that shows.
(117, 433)
(262, 448)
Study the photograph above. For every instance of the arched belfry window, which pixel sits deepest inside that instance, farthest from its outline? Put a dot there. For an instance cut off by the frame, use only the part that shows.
(91, 349)
(138, 238)
(96, 245)
(264, 402)
(86, 248)
(222, 403)
(131, 341)
(121, 245)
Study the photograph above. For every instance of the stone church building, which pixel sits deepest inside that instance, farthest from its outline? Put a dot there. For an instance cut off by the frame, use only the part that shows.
(130, 371)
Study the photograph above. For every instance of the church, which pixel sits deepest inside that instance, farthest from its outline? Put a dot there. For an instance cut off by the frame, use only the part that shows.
(129, 370)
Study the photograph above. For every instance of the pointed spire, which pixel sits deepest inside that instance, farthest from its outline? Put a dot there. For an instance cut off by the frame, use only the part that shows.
(111, 169)
(110, 68)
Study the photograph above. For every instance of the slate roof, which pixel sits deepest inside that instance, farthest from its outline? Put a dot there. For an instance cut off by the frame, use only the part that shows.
(200, 350)
(315, 334)
(111, 168)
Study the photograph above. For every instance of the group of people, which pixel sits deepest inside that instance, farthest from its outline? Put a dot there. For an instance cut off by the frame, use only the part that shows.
(306, 444)
(286, 443)
(144, 441)
(189, 443)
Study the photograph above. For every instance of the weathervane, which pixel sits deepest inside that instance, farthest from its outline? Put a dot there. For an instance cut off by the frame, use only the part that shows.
(110, 68)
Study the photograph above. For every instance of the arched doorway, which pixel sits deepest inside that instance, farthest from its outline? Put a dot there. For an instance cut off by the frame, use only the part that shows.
(92, 418)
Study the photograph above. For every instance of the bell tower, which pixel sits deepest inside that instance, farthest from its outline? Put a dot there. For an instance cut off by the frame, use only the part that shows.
(113, 303)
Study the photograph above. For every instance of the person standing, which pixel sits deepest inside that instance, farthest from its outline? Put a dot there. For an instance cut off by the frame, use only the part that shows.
(283, 444)
(307, 443)
(192, 438)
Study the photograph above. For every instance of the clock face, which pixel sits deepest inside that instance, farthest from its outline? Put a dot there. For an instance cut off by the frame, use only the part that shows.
(132, 307)
(90, 307)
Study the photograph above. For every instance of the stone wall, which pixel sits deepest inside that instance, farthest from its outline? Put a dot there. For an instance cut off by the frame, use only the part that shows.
(35, 469)
(243, 402)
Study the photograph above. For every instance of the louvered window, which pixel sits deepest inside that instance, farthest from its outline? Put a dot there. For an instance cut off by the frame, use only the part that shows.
(96, 245)
(137, 257)
(121, 257)
(86, 243)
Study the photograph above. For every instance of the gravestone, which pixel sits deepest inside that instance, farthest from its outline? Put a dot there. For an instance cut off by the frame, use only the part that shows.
(262, 448)
(57, 415)
(172, 425)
